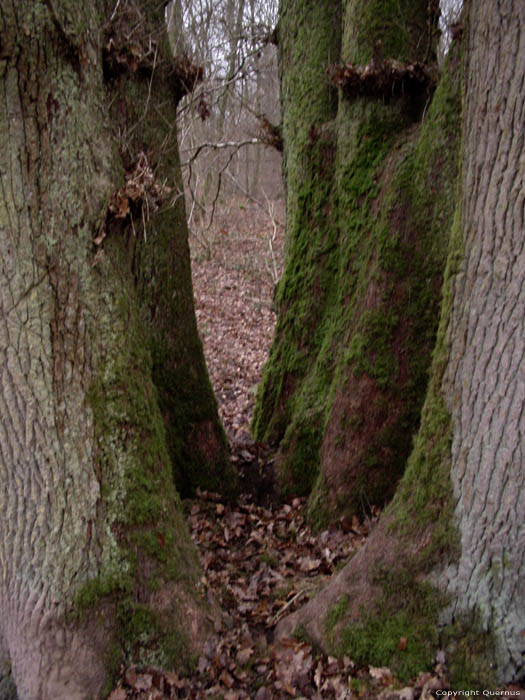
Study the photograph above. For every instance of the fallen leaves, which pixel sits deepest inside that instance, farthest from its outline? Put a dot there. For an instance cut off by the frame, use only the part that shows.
(260, 561)
(233, 290)
(140, 196)
(264, 560)
(259, 564)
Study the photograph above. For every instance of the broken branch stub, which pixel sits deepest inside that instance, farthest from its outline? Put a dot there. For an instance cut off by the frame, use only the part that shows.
(184, 77)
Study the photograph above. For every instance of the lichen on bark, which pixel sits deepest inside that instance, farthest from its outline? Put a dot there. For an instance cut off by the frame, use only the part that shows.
(97, 564)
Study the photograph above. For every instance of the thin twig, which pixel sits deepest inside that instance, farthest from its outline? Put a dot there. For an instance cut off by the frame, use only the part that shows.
(114, 11)
(280, 614)
(217, 146)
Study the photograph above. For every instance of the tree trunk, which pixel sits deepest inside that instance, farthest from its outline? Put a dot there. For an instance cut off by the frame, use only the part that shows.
(97, 565)
(370, 196)
(145, 109)
(236, 10)
(484, 383)
(445, 567)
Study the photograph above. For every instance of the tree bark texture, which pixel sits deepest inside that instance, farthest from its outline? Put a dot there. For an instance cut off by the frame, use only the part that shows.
(457, 520)
(160, 263)
(485, 377)
(370, 197)
(96, 565)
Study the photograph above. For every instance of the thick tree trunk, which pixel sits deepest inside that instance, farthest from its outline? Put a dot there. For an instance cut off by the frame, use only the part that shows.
(369, 201)
(484, 383)
(445, 567)
(96, 563)
(144, 106)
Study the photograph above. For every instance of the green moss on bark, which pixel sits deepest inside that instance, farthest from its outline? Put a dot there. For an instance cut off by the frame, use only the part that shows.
(425, 496)
(148, 397)
(110, 554)
(161, 644)
(397, 629)
(409, 603)
(147, 546)
(469, 647)
(404, 27)
(159, 260)
(358, 302)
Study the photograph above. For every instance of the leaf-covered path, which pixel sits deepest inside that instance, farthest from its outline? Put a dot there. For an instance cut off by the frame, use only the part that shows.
(260, 563)
(260, 560)
(235, 266)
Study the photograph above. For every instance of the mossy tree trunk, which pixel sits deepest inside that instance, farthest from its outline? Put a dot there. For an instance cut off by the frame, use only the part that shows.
(370, 197)
(103, 384)
(144, 106)
(445, 566)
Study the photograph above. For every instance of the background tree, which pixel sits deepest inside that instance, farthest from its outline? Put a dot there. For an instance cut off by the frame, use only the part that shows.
(444, 568)
(230, 119)
(103, 389)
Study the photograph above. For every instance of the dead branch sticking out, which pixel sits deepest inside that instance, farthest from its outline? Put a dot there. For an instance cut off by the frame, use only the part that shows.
(122, 55)
(382, 79)
(132, 45)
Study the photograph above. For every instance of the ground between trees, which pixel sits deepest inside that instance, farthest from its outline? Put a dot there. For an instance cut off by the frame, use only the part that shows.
(104, 319)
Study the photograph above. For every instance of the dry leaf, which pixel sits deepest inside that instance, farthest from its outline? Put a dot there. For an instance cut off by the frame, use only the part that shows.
(380, 673)
(143, 682)
(118, 694)
(226, 679)
(244, 655)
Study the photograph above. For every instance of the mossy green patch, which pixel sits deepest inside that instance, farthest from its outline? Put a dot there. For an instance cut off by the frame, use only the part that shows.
(298, 473)
(151, 639)
(422, 510)
(399, 629)
(468, 647)
(158, 259)
(425, 496)
(371, 348)
(112, 663)
(146, 543)
(371, 197)
(404, 28)
(376, 641)
(90, 594)
(335, 614)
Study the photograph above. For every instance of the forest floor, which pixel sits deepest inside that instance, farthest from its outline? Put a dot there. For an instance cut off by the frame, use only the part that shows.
(235, 267)
(260, 560)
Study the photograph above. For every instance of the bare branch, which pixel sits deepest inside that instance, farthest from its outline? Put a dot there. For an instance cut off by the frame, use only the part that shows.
(217, 146)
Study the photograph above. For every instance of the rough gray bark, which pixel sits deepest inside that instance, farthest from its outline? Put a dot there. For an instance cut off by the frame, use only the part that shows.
(49, 486)
(485, 377)
(92, 541)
